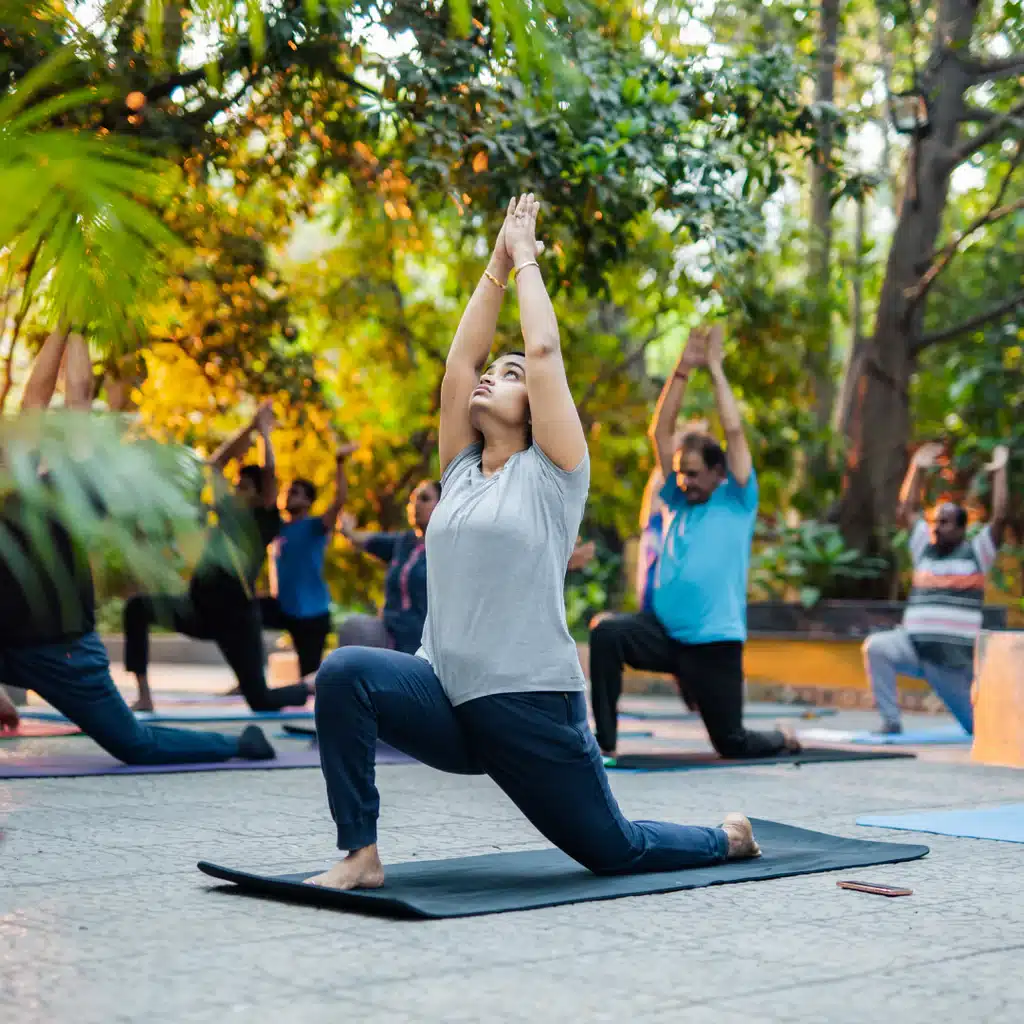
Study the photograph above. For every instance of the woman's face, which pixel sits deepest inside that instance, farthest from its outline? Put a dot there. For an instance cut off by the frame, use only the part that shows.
(501, 394)
(421, 505)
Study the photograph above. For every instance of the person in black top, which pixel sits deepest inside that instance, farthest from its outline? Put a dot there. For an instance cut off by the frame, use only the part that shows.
(48, 640)
(221, 603)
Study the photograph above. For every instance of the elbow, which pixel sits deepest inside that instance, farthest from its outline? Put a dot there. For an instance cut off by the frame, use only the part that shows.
(544, 345)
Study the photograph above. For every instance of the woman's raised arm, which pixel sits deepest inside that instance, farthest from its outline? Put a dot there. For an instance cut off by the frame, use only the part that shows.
(557, 429)
(470, 349)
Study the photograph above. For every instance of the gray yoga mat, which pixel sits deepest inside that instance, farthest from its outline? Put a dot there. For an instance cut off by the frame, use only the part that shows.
(188, 714)
(499, 882)
(62, 766)
(756, 711)
(665, 761)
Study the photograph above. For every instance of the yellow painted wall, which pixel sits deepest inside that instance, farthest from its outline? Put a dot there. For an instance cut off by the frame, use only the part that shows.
(825, 663)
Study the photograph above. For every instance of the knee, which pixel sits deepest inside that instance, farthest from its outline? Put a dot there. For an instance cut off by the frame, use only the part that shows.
(136, 747)
(604, 635)
(346, 669)
(873, 646)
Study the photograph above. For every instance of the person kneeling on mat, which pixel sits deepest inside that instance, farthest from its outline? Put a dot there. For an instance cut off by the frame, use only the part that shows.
(48, 639)
(220, 604)
(696, 625)
(400, 624)
(497, 688)
(944, 611)
(301, 603)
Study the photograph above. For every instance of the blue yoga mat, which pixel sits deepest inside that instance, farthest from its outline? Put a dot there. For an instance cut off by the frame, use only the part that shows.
(1005, 823)
(782, 711)
(185, 715)
(940, 735)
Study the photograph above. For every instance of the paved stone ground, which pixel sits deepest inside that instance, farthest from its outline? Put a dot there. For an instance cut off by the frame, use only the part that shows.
(103, 917)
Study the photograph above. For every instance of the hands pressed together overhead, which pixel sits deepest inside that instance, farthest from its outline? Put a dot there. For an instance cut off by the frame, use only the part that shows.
(517, 240)
(704, 347)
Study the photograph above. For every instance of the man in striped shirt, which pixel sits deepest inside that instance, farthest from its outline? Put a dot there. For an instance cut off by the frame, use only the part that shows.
(943, 616)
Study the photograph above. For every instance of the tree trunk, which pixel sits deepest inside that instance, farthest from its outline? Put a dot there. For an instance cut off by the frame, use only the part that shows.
(820, 245)
(879, 432)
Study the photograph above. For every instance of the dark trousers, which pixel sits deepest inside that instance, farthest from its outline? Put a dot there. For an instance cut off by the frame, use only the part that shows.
(308, 635)
(75, 678)
(713, 673)
(238, 632)
(536, 746)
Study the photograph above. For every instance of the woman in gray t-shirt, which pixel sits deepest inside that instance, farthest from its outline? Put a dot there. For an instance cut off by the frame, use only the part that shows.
(496, 687)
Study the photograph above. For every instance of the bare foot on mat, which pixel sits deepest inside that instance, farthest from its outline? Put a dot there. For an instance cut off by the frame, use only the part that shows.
(793, 745)
(742, 844)
(143, 704)
(361, 869)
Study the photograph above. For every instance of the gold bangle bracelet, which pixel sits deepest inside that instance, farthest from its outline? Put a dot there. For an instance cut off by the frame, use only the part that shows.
(529, 263)
(490, 277)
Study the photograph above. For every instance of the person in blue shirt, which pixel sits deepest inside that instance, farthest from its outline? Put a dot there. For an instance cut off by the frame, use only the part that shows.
(695, 625)
(301, 602)
(400, 624)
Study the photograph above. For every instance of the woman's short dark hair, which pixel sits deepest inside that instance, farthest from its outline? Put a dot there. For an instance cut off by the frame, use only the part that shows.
(436, 484)
(710, 450)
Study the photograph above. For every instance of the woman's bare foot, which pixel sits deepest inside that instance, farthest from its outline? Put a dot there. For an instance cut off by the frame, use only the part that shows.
(361, 869)
(742, 844)
(143, 704)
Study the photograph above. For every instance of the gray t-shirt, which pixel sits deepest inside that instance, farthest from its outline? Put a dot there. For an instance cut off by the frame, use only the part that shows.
(497, 552)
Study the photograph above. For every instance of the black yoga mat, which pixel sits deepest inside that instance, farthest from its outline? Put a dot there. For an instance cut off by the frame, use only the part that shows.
(689, 759)
(499, 882)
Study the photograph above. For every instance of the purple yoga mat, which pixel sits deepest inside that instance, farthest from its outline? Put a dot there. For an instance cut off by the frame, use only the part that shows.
(64, 766)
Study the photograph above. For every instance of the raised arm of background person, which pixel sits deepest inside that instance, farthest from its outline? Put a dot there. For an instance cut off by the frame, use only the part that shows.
(233, 448)
(42, 378)
(330, 517)
(1000, 493)
(77, 373)
(557, 429)
(264, 423)
(470, 349)
(663, 426)
(737, 452)
(347, 528)
(909, 507)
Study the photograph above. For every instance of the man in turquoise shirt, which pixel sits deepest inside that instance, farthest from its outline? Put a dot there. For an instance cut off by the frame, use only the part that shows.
(696, 625)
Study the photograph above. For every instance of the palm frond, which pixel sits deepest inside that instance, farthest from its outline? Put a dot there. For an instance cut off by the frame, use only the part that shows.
(109, 490)
(81, 208)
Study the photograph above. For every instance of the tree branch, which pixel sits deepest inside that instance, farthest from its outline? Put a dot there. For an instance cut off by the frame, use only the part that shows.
(989, 133)
(631, 358)
(972, 323)
(998, 67)
(941, 258)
